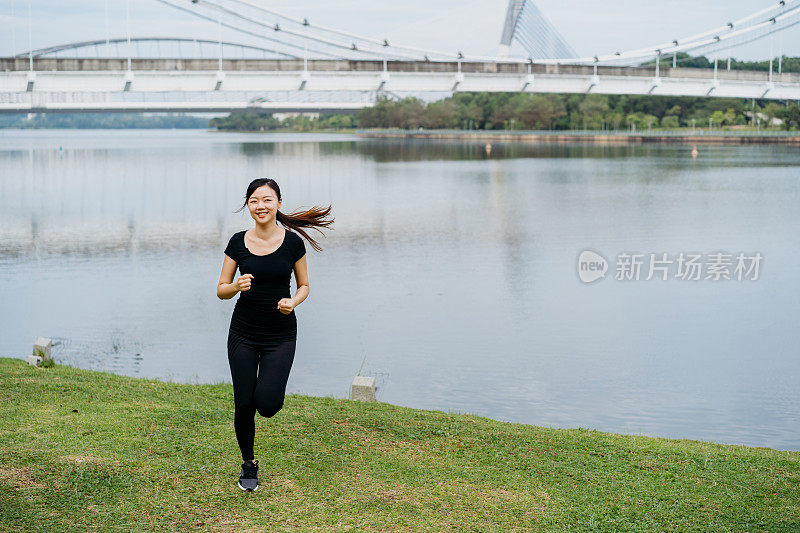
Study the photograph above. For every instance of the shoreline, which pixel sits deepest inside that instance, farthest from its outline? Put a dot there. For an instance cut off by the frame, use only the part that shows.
(790, 138)
(734, 138)
(223, 383)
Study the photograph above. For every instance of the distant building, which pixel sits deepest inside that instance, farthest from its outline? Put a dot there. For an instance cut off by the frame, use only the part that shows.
(763, 118)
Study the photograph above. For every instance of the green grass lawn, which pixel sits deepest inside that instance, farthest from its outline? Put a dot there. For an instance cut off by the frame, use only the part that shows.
(85, 450)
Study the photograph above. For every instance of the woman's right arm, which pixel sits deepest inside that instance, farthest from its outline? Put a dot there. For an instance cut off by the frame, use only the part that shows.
(227, 288)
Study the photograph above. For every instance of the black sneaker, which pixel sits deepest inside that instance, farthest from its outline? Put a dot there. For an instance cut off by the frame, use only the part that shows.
(248, 480)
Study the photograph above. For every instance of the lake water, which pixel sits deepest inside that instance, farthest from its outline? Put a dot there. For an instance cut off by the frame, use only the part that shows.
(450, 276)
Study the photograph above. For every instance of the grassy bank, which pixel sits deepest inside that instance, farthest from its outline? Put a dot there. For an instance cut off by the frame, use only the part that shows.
(88, 450)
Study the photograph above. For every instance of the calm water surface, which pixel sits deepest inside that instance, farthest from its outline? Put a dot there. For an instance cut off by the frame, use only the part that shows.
(450, 274)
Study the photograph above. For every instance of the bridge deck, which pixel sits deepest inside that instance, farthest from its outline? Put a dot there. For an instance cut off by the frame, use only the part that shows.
(18, 64)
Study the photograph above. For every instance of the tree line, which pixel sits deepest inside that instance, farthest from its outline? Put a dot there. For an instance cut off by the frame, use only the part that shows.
(787, 64)
(534, 111)
(266, 122)
(101, 121)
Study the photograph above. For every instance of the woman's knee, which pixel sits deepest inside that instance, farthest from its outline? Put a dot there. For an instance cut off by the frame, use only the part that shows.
(269, 409)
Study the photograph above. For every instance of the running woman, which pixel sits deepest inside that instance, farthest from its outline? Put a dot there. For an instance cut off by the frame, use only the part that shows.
(263, 329)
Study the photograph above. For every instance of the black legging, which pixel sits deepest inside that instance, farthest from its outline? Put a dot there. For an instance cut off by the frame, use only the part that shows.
(263, 393)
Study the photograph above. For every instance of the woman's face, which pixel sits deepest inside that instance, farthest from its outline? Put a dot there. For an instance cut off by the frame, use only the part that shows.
(263, 205)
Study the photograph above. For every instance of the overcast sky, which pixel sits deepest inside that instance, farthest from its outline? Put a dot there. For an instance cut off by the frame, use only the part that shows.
(473, 26)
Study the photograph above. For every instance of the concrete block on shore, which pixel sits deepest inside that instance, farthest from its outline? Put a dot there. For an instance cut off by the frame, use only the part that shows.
(42, 347)
(34, 360)
(363, 388)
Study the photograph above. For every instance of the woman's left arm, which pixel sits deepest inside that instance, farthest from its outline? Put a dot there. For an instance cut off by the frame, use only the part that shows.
(301, 277)
(286, 305)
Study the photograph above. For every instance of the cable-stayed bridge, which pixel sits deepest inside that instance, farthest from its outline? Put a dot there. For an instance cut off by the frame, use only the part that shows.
(283, 63)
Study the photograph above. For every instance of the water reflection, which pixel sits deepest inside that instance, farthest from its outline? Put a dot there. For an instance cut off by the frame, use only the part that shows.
(389, 150)
(451, 271)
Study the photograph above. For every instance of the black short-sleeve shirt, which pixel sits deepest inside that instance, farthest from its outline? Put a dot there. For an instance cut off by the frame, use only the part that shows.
(256, 315)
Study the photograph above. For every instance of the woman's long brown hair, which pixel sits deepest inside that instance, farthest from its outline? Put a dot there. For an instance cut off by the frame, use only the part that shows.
(314, 218)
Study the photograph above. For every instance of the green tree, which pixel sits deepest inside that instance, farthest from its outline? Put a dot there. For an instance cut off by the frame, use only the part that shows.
(772, 110)
(472, 116)
(717, 117)
(593, 109)
(729, 117)
(340, 121)
(440, 115)
(670, 122)
(537, 111)
(410, 113)
(614, 120)
(503, 116)
(790, 116)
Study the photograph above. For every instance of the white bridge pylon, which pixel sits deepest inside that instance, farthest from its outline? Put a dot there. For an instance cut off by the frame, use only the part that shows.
(780, 16)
